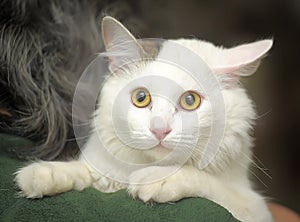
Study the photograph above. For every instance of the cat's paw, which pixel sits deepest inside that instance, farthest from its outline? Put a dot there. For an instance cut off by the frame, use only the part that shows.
(105, 184)
(42, 178)
(161, 190)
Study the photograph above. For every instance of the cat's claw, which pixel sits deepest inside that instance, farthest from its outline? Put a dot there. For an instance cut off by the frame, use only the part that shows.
(161, 191)
(157, 192)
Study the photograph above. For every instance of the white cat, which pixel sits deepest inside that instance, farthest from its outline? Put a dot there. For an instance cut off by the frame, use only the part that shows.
(153, 125)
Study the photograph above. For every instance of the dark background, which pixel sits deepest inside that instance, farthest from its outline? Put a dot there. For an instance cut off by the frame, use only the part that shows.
(276, 85)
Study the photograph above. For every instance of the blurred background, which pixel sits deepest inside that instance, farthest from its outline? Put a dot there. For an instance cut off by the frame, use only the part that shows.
(275, 87)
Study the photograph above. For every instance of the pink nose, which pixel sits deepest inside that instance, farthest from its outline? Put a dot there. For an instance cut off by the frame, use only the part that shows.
(159, 127)
(159, 133)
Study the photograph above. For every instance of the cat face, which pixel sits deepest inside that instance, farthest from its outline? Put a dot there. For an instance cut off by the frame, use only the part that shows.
(156, 108)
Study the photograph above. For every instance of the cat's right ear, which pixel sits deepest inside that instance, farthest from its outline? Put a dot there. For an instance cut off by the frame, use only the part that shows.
(242, 60)
(121, 46)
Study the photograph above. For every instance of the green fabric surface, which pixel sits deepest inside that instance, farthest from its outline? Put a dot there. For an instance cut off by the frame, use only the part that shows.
(92, 205)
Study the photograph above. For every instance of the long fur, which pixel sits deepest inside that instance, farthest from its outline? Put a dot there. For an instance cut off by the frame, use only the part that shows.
(44, 47)
(123, 150)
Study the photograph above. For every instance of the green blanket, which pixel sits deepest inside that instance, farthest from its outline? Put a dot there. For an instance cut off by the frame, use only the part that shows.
(92, 205)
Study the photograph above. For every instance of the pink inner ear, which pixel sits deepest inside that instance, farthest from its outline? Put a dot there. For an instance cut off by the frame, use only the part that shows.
(243, 56)
(120, 44)
(240, 55)
(248, 53)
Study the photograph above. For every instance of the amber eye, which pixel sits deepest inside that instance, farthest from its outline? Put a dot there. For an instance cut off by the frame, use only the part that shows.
(141, 97)
(190, 100)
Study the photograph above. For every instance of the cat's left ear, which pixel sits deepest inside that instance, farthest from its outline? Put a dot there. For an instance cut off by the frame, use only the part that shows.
(243, 60)
(121, 46)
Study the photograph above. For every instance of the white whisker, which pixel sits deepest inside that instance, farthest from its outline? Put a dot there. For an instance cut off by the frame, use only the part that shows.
(264, 114)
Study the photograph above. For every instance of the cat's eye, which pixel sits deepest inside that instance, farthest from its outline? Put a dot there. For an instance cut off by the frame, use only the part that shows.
(141, 97)
(190, 100)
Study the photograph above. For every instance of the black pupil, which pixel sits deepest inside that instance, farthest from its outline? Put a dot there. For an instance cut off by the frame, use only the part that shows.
(141, 96)
(190, 99)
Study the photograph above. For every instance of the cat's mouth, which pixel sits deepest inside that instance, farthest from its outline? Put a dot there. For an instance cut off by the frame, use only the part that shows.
(161, 148)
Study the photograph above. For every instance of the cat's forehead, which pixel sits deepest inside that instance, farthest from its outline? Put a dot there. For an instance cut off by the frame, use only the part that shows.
(162, 74)
(178, 65)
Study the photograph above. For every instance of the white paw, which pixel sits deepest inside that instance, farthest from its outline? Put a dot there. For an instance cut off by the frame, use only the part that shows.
(105, 184)
(39, 179)
(161, 191)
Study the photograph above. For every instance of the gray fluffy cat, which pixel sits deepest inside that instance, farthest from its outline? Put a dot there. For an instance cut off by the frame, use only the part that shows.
(44, 47)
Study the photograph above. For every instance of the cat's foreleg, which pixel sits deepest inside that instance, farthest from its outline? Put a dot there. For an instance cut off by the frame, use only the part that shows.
(164, 184)
(188, 181)
(49, 178)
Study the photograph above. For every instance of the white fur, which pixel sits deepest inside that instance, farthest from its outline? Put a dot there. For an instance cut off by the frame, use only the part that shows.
(50, 178)
(224, 180)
